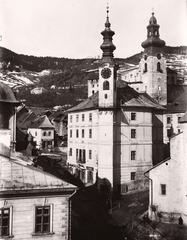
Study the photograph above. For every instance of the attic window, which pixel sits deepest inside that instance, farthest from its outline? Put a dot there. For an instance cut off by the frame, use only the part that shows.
(176, 104)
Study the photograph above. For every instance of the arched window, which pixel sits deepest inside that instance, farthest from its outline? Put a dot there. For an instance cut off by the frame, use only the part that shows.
(145, 67)
(158, 67)
(105, 85)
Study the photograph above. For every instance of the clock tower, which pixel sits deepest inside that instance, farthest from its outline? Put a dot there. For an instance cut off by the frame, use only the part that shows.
(153, 64)
(107, 103)
(107, 70)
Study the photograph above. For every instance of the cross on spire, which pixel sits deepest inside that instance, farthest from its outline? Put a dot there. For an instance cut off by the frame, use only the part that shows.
(152, 10)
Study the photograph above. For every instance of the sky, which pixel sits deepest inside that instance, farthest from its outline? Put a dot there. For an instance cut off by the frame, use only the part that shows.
(71, 28)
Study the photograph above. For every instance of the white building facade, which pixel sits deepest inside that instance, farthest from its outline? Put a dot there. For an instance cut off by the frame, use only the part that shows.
(115, 134)
(168, 181)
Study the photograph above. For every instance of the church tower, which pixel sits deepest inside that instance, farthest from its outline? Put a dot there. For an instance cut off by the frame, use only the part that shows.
(153, 64)
(107, 70)
(107, 103)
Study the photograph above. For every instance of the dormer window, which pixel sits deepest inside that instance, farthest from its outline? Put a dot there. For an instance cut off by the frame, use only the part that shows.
(106, 85)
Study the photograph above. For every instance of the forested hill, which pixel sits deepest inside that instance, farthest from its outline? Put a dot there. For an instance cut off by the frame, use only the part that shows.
(37, 64)
(64, 80)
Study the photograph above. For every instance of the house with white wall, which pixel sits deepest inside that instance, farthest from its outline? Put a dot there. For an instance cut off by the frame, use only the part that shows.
(168, 180)
(33, 203)
(43, 132)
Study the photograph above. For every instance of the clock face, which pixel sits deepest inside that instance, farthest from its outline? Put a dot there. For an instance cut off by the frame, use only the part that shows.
(106, 73)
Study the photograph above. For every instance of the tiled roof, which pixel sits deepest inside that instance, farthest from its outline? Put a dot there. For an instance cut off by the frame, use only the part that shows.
(126, 96)
(25, 120)
(16, 175)
(129, 97)
(41, 122)
(89, 103)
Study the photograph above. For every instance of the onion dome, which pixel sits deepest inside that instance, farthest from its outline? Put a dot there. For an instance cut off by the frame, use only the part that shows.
(153, 42)
(107, 46)
(7, 95)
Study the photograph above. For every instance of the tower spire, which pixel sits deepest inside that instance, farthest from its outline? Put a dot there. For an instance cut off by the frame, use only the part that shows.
(107, 46)
(153, 43)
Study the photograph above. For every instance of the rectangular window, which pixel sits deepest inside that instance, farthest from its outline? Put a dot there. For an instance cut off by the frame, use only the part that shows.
(90, 176)
(70, 134)
(42, 219)
(163, 189)
(77, 133)
(179, 119)
(77, 153)
(4, 222)
(71, 118)
(82, 133)
(179, 130)
(90, 154)
(133, 155)
(133, 175)
(133, 116)
(169, 132)
(82, 117)
(168, 120)
(70, 152)
(90, 117)
(77, 118)
(49, 133)
(90, 133)
(35, 133)
(83, 156)
(133, 133)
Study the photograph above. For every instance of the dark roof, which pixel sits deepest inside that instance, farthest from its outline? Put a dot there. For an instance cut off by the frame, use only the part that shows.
(175, 91)
(126, 96)
(39, 110)
(6, 94)
(56, 115)
(179, 104)
(41, 122)
(25, 120)
(183, 118)
(92, 75)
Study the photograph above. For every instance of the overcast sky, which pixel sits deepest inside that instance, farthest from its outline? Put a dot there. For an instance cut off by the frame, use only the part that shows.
(71, 28)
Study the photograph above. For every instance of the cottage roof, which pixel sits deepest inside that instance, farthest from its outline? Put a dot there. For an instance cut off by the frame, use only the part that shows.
(16, 176)
(126, 96)
(41, 122)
